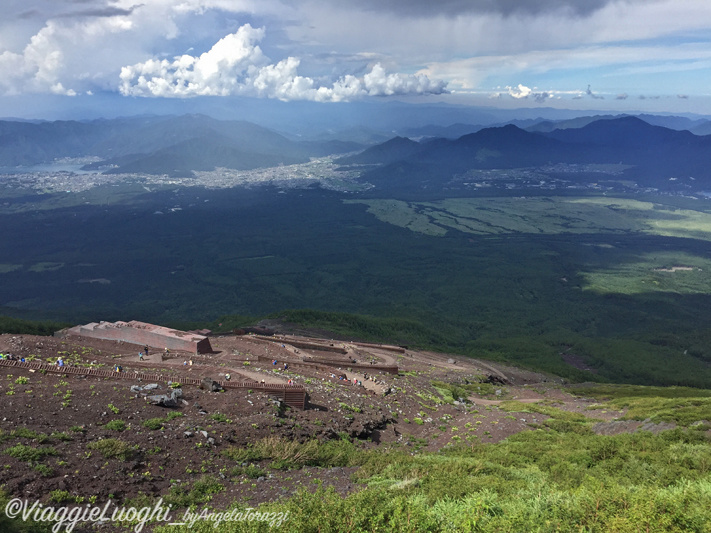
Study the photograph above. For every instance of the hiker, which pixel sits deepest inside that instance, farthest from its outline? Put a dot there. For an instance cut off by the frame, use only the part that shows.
(60, 362)
(286, 366)
(145, 349)
(140, 356)
(274, 362)
(227, 377)
(167, 351)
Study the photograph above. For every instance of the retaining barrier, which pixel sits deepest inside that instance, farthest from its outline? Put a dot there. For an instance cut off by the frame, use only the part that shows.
(388, 347)
(327, 365)
(304, 345)
(390, 369)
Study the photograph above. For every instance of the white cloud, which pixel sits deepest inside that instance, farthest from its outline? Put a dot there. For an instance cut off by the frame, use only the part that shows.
(519, 92)
(77, 46)
(236, 65)
(522, 92)
(76, 54)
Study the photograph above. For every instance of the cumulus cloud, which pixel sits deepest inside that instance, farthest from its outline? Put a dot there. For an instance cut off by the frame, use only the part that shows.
(236, 65)
(74, 54)
(521, 91)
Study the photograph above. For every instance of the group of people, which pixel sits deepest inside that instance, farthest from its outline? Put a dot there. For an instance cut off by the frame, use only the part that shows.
(11, 357)
(144, 353)
(356, 381)
(275, 363)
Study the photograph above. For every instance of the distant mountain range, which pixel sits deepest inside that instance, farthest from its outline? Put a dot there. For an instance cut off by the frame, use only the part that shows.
(158, 145)
(655, 153)
(657, 147)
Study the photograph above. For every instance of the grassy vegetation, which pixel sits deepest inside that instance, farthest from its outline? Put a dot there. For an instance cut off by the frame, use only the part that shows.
(287, 454)
(552, 479)
(560, 476)
(682, 406)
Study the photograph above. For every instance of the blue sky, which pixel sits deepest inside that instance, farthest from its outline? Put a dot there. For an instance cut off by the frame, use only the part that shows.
(618, 55)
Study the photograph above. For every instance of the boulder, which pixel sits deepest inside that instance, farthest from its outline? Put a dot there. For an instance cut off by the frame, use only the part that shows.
(210, 385)
(167, 400)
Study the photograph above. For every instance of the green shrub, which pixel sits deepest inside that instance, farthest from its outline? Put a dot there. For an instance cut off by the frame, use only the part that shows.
(154, 423)
(25, 433)
(61, 496)
(30, 454)
(43, 469)
(113, 448)
(201, 492)
(252, 471)
(115, 425)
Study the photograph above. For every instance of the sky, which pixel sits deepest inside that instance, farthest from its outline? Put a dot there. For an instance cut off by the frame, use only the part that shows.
(618, 55)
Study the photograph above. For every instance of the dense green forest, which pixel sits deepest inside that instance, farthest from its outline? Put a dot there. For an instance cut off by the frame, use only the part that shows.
(615, 282)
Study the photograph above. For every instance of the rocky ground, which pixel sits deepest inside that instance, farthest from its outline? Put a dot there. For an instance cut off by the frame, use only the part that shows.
(65, 416)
